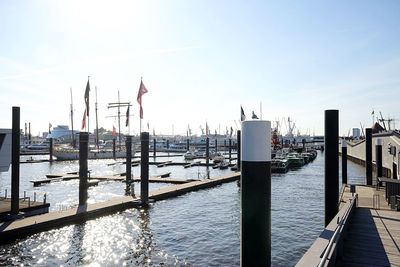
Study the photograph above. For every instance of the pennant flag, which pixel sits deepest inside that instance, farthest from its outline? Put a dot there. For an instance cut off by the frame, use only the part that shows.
(373, 112)
(254, 116)
(154, 132)
(127, 117)
(142, 91)
(84, 120)
(50, 128)
(87, 97)
(242, 116)
(231, 131)
(148, 126)
(207, 129)
(114, 131)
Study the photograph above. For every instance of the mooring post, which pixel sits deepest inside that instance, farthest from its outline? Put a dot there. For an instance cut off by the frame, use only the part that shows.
(83, 167)
(224, 145)
(128, 145)
(216, 144)
(154, 147)
(331, 164)
(256, 194)
(15, 151)
(230, 149)
(144, 168)
(114, 155)
(368, 155)
(207, 151)
(238, 134)
(51, 149)
(30, 135)
(167, 144)
(378, 158)
(304, 144)
(344, 161)
(187, 144)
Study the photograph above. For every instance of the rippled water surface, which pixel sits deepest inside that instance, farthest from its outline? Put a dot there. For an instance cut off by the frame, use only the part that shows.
(197, 229)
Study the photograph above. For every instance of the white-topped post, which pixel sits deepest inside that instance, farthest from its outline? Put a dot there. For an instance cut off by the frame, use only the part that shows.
(255, 227)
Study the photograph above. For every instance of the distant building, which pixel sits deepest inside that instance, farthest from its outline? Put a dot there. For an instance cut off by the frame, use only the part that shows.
(356, 133)
(62, 133)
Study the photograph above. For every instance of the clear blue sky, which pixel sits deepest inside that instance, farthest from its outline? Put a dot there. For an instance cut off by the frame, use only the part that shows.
(201, 60)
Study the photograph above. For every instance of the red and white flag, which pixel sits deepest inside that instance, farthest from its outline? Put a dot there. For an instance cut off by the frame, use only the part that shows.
(84, 120)
(142, 91)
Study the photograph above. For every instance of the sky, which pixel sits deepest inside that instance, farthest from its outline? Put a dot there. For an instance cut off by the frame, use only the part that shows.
(200, 61)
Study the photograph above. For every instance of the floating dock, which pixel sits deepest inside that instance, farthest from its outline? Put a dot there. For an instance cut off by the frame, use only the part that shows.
(10, 231)
(29, 208)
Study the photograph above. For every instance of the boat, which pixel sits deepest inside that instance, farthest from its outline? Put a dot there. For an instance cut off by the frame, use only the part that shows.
(279, 165)
(190, 155)
(295, 161)
(217, 158)
(66, 153)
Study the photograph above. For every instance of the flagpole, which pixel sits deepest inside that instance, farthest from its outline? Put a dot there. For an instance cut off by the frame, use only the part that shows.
(97, 122)
(87, 113)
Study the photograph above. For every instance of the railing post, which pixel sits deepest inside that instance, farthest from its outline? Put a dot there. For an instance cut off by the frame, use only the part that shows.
(331, 164)
(256, 194)
(368, 155)
(15, 151)
(344, 161)
(144, 168)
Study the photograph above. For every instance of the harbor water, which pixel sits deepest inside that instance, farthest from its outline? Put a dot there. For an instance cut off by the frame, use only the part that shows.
(201, 228)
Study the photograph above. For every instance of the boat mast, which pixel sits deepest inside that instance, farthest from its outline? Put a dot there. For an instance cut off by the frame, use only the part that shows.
(72, 120)
(118, 105)
(97, 123)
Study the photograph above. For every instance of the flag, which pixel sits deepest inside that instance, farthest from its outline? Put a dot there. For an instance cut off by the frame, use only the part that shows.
(50, 128)
(254, 116)
(142, 91)
(242, 116)
(87, 97)
(231, 131)
(84, 120)
(114, 131)
(207, 129)
(373, 112)
(148, 126)
(127, 117)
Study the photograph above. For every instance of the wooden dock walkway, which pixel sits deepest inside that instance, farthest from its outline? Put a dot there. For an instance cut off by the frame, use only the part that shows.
(373, 237)
(10, 231)
(26, 206)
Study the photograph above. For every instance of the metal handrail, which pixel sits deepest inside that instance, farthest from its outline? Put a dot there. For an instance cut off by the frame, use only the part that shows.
(332, 241)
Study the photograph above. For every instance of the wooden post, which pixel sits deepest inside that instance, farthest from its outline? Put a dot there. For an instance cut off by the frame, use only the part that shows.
(238, 134)
(128, 145)
(15, 151)
(154, 147)
(187, 144)
(83, 167)
(331, 164)
(144, 168)
(51, 150)
(368, 155)
(344, 161)
(114, 155)
(230, 149)
(255, 247)
(378, 157)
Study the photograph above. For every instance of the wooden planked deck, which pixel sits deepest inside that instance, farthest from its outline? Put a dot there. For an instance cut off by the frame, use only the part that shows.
(10, 231)
(373, 238)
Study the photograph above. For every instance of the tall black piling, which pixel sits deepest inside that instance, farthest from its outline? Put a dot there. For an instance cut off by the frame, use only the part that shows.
(114, 155)
(230, 149)
(378, 158)
(303, 141)
(331, 164)
(168, 144)
(29, 134)
(368, 155)
(207, 151)
(187, 144)
(51, 149)
(255, 229)
(238, 135)
(344, 161)
(15, 151)
(128, 145)
(83, 167)
(154, 147)
(144, 168)
(216, 144)
(224, 145)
